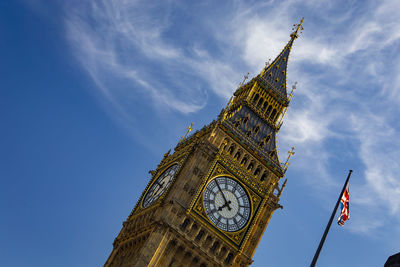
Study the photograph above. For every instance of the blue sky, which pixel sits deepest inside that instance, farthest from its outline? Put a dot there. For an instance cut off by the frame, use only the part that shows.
(94, 92)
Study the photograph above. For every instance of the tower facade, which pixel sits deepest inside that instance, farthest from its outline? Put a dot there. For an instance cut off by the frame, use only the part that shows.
(209, 202)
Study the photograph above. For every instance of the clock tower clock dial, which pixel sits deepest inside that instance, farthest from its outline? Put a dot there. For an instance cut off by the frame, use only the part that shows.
(227, 204)
(159, 186)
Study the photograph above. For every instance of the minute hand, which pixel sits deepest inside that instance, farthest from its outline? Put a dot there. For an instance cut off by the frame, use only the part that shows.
(223, 195)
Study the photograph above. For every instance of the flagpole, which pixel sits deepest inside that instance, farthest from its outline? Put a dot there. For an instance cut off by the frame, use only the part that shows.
(321, 243)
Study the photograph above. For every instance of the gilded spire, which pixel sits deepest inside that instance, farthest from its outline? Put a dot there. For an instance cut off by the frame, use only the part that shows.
(273, 75)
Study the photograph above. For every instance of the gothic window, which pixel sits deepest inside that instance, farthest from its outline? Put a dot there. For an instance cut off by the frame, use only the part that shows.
(265, 105)
(229, 258)
(184, 224)
(255, 99)
(237, 155)
(256, 129)
(271, 154)
(257, 172)
(261, 144)
(244, 160)
(199, 235)
(222, 251)
(267, 138)
(260, 101)
(248, 133)
(231, 149)
(264, 176)
(245, 120)
(272, 116)
(268, 110)
(251, 166)
(237, 123)
(214, 246)
(194, 228)
(224, 144)
(208, 240)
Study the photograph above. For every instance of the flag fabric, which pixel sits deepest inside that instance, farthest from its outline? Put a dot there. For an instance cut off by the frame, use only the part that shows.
(344, 207)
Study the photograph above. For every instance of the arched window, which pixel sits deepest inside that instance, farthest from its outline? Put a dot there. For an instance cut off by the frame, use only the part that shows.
(251, 166)
(260, 101)
(267, 138)
(229, 258)
(248, 133)
(245, 120)
(271, 153)
(265, 105)
(255, 99)
(237, 123)
(268, 110)
(272, 116)
(262, 144)
(231, 149)
(214, 246)
(257, 172)
(256, 129)
(199, 235)
(244, 160)
(264, 176)
(224, 144)
(237, 155)
(185, 224)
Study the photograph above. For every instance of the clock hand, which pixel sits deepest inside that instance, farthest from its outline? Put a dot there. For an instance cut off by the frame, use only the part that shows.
(225, 205)
(223, 195)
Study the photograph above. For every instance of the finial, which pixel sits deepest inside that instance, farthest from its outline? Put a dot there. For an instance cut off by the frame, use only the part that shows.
(167, 154)
(268, 62)
(296, 28)
(283, 187)
(245, 77)
(286, 165)
(189, 129)
(294, 86)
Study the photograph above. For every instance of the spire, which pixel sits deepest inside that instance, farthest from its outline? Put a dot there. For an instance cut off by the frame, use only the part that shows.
(274, 75)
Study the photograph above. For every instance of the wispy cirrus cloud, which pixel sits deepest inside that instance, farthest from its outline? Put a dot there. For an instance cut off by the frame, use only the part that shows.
(346, 63)
(121, 45)
(347, 70)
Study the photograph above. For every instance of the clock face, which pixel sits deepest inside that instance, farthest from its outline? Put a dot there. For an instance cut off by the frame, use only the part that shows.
(160, 185)
(227, 204)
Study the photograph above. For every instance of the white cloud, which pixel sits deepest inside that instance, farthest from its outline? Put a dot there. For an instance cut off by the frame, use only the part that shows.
(345, 64)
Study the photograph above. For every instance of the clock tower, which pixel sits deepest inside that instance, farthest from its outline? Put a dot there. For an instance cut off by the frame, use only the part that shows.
(209, 202)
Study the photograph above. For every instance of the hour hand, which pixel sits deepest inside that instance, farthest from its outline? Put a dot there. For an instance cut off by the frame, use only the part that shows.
(225, 205)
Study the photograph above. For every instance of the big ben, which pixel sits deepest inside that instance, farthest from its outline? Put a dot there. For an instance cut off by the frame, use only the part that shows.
(209, 201)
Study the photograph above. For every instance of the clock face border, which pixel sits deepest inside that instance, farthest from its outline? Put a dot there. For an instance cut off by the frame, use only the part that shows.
(197, 210)
(219, 185)
(164, 170)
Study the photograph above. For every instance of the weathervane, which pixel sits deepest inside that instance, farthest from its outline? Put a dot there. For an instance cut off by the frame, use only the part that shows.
(296, 28)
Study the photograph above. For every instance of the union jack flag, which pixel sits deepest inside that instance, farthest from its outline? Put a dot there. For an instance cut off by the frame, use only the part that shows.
(344, 207)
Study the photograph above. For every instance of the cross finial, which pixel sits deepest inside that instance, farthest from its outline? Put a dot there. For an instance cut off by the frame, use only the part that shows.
(296, 28)
(189, 129)
(291, 153)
